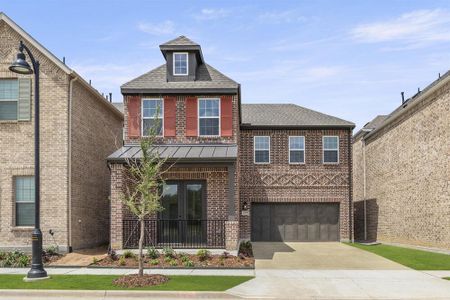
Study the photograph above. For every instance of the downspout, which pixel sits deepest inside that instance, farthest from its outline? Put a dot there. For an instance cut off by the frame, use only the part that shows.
(350, 185)
(363, 143)
(69, 204)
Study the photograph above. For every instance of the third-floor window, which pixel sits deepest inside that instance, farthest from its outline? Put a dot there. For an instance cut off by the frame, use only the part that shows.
(209, 117)
(152, 116)
(180, 64)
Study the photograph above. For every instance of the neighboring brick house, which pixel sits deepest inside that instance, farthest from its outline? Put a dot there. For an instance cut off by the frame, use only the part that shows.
(263, 172)
(402, 172)
(79, 129)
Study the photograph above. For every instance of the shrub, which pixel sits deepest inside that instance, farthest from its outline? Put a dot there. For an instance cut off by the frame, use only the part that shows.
(185, 258)
(245, 249)
(154, 262)
(23, 261)
(168, 252)
(152, 252)
(129, 254)
(95, 260)
(173, 263)
(203, 254)
(221, 260)
(188, 263)
(2, 255)
(122, 261)
(113, 255)
(51, 250)
(167, 259)
(14, 259)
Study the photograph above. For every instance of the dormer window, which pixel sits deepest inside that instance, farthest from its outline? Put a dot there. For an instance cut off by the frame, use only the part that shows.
(180, 64)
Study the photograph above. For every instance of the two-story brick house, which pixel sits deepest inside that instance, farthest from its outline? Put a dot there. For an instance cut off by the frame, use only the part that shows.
(260, 172)
(79, 129)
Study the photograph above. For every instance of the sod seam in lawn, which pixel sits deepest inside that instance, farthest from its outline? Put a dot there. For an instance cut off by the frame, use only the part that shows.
(104, 282)
(412, 258)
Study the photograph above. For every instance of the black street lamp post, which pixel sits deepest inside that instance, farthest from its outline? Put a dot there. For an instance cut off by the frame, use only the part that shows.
(21, 66)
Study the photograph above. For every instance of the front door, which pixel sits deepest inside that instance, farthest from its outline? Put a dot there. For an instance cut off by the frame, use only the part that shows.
(182, 222)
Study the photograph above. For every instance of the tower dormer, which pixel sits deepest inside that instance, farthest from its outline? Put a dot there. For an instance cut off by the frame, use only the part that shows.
(183, 57)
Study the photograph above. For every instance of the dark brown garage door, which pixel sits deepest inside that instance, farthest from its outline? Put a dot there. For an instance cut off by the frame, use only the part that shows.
(289, 222)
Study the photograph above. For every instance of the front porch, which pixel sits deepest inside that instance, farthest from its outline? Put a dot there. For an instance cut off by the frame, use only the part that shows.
(200, 200)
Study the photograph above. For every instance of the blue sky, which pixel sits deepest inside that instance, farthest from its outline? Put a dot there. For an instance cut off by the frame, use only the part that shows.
(350, 59)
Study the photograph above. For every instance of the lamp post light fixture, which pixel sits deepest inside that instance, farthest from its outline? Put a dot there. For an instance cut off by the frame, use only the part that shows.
(21, 66)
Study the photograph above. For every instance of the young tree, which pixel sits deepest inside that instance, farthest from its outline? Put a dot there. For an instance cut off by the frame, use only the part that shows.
(144, 185)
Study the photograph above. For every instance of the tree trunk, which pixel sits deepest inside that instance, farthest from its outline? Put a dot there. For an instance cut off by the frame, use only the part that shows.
(141, 244)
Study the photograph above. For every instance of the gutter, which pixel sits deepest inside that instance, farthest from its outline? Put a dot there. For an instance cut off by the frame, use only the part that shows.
(69, 159)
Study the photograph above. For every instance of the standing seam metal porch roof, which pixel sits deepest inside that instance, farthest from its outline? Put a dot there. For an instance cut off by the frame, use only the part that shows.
(182, 153)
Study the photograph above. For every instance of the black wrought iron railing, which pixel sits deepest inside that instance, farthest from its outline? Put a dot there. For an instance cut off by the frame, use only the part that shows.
(175, 233)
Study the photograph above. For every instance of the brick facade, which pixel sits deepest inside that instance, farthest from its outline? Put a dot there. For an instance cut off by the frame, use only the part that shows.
(407, 175)
(280, 181)
(17, 155)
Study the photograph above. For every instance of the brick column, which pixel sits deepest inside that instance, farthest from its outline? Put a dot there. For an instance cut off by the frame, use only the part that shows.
(117, 181)
(231, 234)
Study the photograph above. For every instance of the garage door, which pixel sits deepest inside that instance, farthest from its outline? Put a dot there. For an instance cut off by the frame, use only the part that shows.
(289, 222)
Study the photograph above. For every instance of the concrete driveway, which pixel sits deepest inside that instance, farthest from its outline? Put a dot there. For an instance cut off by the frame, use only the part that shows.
(318, 256)
(334, 271)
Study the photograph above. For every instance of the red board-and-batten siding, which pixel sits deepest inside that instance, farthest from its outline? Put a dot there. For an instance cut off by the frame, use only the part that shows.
(170, 110)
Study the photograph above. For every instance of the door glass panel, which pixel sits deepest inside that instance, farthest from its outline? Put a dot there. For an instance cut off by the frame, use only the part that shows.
(168, 223)
(195, 231)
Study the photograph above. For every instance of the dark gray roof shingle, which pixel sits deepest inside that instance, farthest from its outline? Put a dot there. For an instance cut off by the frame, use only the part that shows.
(156, 81)
(180, 41)
(286, 115)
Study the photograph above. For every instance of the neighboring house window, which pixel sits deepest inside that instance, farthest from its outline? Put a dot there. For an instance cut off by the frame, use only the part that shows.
(296, 149)
(330, 149)
(209, 117)
(9, 96)
(24, 198)
(180, 63)
(152, 115)
(261, 146)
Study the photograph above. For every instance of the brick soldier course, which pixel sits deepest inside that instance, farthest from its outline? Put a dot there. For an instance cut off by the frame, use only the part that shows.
(402, 169)
(79, 128)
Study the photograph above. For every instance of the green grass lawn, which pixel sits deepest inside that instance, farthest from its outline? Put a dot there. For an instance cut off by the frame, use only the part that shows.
(104, 282)
(412, 258)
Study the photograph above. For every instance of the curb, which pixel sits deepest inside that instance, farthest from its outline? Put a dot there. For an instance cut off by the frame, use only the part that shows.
(111, 294)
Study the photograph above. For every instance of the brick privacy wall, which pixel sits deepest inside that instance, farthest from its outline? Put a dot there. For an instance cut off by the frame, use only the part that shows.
(408, 171)
(17, 150)
(216, 178)
(281, 182)
(181, 123)
(96, 133)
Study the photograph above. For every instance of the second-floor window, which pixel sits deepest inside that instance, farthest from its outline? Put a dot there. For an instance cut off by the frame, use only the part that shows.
(296, 149)
(261, 145)
(9, 96)
(152, 116)
(180, 64)
(330, 149)
(209, 117)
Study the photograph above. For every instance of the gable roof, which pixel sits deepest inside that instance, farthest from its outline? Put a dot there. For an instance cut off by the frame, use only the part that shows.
(29, 39)
(209, 80)
(180, 41)
(287, 115)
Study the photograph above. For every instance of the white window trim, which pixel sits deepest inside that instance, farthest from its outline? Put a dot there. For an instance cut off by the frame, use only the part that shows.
(187, 63)
(199, 117)
(323, 150)
(254, 150)
(304, 150)
(142, 115)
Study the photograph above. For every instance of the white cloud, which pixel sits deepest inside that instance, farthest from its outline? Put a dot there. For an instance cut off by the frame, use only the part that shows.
(211, 14)
(163, 28)
(278, 17)
(414, 29)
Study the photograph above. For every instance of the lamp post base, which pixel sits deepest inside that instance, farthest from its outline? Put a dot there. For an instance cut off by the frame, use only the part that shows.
(37, 267)
(27, 279)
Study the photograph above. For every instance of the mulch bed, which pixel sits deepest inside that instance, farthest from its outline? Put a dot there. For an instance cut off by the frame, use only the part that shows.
(214, 261)
(131, 281)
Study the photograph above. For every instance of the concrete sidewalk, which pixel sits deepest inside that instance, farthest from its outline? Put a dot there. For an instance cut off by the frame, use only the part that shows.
(343, 284)
(120, 271)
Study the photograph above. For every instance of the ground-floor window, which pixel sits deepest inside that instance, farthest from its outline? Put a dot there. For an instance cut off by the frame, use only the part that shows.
(24, 200)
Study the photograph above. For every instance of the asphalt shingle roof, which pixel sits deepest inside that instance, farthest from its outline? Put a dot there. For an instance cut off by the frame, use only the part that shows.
(156, 79)
(180, 41)
(288, 115)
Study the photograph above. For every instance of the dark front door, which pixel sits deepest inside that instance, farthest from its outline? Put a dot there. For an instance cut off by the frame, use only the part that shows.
(290, 222)
(183, 219)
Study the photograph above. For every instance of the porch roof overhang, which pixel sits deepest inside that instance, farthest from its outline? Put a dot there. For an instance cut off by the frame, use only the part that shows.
(180, 153)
